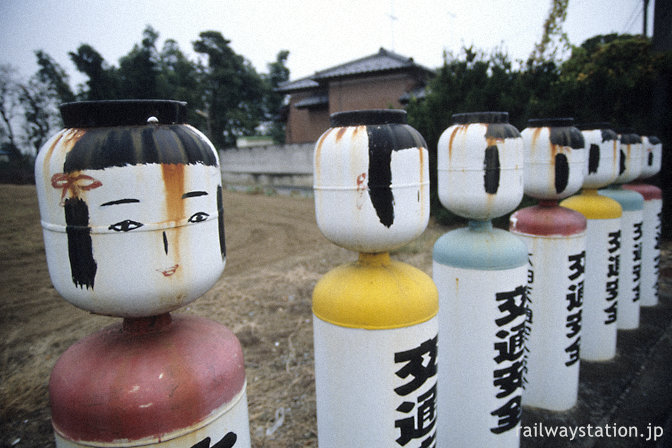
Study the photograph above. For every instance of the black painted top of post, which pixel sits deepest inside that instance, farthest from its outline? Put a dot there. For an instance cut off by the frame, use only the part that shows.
(86, 114)
(480, 117)
(629, 136)
(368, 117)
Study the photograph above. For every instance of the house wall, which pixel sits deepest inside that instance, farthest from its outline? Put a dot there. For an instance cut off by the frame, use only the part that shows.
(305, 125)
(372, 92)
(375, 92)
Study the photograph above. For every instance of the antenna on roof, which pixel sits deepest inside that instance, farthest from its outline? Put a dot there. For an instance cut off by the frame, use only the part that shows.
(392, 19)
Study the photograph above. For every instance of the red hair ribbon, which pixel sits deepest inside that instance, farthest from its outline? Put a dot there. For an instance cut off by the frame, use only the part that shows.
(73, 183)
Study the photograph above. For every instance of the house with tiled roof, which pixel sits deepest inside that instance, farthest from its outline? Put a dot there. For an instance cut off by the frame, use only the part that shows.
(380, 81)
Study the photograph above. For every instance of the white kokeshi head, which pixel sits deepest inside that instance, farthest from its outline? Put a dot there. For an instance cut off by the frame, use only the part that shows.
(652, 156)
(630, 157)
(602, 155)
(554, 158)
(371, 181)
(131, 213)
(480, 165)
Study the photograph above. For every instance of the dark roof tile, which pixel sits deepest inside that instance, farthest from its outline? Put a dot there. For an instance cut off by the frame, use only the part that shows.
(382, 61)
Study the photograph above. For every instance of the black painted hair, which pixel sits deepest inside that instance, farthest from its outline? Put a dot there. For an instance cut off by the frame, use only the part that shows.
(83, 266)
(132, 132)
(101, 148)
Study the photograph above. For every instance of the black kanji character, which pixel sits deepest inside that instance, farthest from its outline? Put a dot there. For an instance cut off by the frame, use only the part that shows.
(422, 423)
(614, 241)
(228, 441)
(575, 296)
(614, 264)
(611, 314)
(509, 379)
(573, 352)
(612, 290)
(573, 324)
(513, 348)
(417, 366)
(511, 307)
(508, 415)
(578, 265)
(637, 231)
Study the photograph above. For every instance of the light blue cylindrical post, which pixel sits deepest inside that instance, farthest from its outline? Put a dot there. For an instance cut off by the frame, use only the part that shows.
(632, 203)
(480, 272)
(653, 207)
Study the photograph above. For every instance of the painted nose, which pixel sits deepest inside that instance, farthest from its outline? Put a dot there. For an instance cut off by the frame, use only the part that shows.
(165, 243)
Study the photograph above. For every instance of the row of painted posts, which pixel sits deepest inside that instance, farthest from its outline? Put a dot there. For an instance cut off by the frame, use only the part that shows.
(131, 204)
(516, 311)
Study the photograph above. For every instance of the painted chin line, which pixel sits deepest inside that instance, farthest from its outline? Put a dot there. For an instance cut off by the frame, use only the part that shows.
(168, 271)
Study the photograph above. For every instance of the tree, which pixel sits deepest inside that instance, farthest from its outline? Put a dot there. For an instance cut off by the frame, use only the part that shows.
(52, 74)
(40, 97)
(611, 78)
(233, 91)
(274, 100)
(180, 79)
(103, 80)
(9, 106)
(547, 50)
(139, 70)
(40, 112)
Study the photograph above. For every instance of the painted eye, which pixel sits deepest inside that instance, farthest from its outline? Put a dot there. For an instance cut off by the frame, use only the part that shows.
(125, 226)
(198, 217)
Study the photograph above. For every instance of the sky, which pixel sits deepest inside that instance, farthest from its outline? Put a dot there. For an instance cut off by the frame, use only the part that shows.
(318, 33)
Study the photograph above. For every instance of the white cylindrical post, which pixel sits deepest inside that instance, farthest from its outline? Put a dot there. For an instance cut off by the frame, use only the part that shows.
(131, 204)
(632, 223)
(652, 212)
(480, 273)
(603, 243)
(556, 244)
(374, 325)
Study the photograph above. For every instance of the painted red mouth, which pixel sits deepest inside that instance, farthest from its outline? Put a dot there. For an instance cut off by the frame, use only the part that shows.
(168, 272)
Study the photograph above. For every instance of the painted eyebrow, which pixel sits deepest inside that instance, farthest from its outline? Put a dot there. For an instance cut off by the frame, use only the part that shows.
(193, 194)
(120, 201)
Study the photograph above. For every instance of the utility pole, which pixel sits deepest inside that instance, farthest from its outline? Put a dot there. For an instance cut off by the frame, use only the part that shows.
(646, 16)
(662, 42)
(662, 25)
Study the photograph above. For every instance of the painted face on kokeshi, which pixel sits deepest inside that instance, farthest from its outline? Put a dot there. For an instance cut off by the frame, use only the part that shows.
(131, 214)
(602, 155)
(630, 158)
(554, 158)
(652, 156)
(480, 165)
(371, 181)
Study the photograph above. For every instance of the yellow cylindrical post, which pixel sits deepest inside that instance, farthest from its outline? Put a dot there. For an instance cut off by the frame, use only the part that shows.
(375, 326)
(603, 249)
(375, 353)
